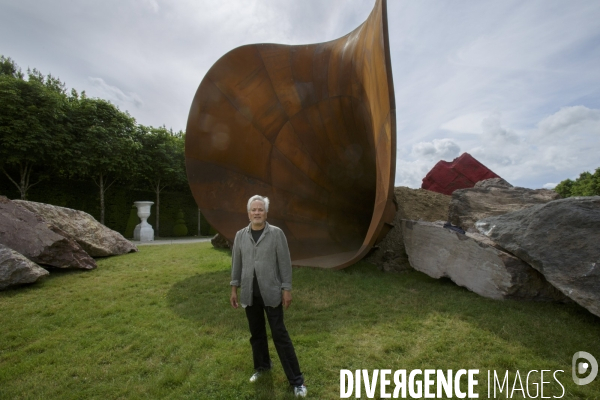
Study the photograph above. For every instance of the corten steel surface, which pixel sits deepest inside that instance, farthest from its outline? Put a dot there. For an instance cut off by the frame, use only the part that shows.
(313, 128)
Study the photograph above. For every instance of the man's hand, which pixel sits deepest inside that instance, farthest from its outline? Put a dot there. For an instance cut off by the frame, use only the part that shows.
(286, 298)
(234, 299)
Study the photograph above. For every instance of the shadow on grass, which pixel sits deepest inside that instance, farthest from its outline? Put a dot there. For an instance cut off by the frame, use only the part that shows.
(203, 297)
(360, 317)
(329, 302)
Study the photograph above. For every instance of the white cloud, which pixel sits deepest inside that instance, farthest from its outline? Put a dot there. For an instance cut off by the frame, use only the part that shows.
(570, 118)
(468, 123)
(444, 149)
(560, 146)
(550, 185)
(411, 173)
(494, 132)
(115, 94)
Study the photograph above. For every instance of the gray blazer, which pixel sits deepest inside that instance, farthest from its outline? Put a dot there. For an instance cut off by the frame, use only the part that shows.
(269, 257)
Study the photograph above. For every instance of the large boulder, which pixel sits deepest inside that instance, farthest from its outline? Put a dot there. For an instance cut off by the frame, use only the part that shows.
(463, 172)
(42, 243)
(493, 197)
(560, 239)
(473, 262)
(16, 269)
(416, 204)
(96, 239)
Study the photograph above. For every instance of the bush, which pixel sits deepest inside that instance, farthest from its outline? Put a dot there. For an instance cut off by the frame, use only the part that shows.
(586, 185)
(180, 229)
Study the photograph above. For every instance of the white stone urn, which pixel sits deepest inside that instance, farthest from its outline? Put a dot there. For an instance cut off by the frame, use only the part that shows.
(143, 231)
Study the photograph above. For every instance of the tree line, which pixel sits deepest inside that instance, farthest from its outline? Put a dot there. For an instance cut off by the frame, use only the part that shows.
(587, 184)
(47, 133)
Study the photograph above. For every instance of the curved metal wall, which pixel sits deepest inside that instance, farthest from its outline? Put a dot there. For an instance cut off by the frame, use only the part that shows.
(313, 128)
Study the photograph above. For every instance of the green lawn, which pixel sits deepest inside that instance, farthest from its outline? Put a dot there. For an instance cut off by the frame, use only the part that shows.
(157, 324)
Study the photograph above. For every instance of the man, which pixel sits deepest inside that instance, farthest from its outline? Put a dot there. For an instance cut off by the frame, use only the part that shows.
(261, 265)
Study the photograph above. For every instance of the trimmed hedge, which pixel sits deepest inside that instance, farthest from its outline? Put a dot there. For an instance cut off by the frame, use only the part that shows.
(84, 196)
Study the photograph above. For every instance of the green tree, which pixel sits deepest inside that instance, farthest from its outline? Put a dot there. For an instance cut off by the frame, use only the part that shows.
(32, 125)
(104, 146)
(162, 161)
(564, 188)
(587, 184)
(9, 68)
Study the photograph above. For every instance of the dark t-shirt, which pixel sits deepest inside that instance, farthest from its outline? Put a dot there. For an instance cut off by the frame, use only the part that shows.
(256, 235)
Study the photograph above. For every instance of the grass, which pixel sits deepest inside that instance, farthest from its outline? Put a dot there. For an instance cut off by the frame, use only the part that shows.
(157, 324)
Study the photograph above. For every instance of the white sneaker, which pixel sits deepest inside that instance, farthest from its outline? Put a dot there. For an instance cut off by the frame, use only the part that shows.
(255, 376)
(258, 374)
(300, 391)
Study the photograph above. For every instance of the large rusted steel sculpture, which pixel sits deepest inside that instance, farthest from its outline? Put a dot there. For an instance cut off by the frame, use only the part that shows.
(312, 127)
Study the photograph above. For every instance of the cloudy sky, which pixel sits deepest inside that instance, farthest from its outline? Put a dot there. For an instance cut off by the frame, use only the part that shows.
(514, 83)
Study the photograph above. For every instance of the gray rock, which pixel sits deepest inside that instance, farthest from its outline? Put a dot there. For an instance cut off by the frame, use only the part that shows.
(492, 197)
(473, 262)
(42, 243)
(16, 269)
(219, 242)
(493, 182)
(561, 239)
(96, 239)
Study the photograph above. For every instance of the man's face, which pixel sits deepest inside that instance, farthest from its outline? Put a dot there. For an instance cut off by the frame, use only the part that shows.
(257, 213)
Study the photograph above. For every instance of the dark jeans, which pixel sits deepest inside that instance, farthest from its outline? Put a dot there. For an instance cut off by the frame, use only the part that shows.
(281, 338)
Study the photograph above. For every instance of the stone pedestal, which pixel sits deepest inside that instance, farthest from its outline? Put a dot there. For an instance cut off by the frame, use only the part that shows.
(143, 231)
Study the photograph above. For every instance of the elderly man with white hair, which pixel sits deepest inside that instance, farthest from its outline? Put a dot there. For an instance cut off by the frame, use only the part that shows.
(262, 266)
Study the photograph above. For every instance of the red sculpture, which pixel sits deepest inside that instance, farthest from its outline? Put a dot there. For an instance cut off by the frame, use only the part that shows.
(463, 172)
(312, 127)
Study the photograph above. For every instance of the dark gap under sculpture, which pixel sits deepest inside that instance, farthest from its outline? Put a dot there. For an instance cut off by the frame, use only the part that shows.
(312, 127)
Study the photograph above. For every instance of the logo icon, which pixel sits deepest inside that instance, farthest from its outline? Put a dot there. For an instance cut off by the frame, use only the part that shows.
(582, 367)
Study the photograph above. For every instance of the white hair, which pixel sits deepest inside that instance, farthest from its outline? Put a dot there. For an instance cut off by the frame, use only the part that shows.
(256, 197)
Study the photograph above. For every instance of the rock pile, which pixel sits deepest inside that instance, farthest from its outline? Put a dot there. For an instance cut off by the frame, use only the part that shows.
(35, 233)
(520, 243)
